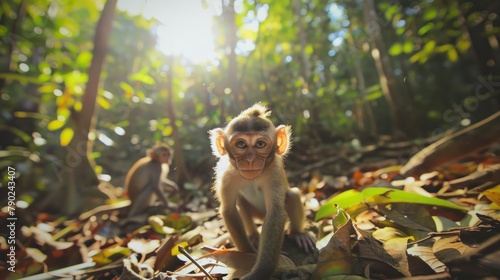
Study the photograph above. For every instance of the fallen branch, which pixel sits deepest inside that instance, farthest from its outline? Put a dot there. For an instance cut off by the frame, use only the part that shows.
(455, 146)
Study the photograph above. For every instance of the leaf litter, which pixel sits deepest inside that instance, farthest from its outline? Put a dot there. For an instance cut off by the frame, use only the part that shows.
(373, 224)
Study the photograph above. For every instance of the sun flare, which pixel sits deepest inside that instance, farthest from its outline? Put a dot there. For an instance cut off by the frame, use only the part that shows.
(186, 28)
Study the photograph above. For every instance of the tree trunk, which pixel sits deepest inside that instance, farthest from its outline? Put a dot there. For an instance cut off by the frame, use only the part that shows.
(305, 64)
(180, 163)
(77, 173)
(232, 69)
(367, 122)
(487, 55)
(388, 81)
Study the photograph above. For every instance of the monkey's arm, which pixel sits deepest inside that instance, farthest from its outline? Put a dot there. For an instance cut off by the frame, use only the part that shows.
(163, 185)
(296, 213)
(171, 185)
(247, 212)
(228, 197)
(161, 195)
(140, 202)
(272, 232)
(164, 181)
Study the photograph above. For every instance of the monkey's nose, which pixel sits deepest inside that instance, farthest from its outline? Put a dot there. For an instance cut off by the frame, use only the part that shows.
(250, 157)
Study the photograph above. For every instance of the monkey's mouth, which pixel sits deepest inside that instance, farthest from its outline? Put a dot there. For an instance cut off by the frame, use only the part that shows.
(250, 174)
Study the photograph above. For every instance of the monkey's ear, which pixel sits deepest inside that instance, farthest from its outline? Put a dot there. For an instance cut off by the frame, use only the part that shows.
(217, 141)
(151, 153)
(283, 139)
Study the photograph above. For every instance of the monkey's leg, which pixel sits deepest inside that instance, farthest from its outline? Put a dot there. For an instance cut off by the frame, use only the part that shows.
(161, 195)
(247, 212)
(140, 202)
(296, 214)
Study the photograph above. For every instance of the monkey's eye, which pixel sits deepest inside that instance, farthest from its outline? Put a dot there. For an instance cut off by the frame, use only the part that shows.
(260, 144)
(241, 144)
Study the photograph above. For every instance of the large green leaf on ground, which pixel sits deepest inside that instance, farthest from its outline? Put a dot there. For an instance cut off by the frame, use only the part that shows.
(355, 202)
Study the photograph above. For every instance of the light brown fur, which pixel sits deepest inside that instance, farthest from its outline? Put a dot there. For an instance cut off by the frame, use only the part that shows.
(251, 183)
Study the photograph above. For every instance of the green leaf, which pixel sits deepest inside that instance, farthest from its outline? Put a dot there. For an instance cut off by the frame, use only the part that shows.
(374, 95)
(340, 219)
(103, 102)
(396, 49)
(430, 13)
(111, 254)
(44, 65)
(48, 88)
(408, 47)
(426, 28)
(144, 78)
(66, 136)
(18, 132)
(463, 45)
(344, 200)
(387, 195)
(22, 78)
(55, 125)
(3, 31)
(167, 131)
(420, 56)
(444, 48)
(429, 46)
(126, 87)
(83, 60)
(355, 202)
(452, 55)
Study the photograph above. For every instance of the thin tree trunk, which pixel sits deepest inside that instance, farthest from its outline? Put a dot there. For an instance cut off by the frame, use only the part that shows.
(388, 82)
(305, 64)
(180, 163)
(232, 69)
(77, 171)
(368, 117)
(487, 56)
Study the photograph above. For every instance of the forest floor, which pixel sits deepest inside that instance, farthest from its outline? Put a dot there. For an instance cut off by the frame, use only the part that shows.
(382, 226)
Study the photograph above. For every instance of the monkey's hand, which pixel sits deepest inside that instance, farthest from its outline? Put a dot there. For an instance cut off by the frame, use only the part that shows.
(170, 185)
(305, 241)
(255, 240)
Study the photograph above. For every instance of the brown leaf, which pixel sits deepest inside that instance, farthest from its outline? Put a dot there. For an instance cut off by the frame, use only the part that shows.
(396, 247)
(336, 257)
(164, 258)
(387, 233)
(374, 254)
(233, 263)
(427, 255)
(409, 215)
(143, 246)
(36, 254)
(449, 248)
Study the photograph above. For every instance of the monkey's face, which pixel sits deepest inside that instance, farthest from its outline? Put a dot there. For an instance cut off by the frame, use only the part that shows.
(251, 151)
(161, 156)
(165, 157)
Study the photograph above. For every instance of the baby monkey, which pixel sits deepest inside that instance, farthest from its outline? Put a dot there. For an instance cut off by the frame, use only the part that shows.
(146, 181)
(251, 183)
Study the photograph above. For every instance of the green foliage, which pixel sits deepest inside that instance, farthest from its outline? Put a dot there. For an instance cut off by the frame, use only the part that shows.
(310, 61)
(354, 202)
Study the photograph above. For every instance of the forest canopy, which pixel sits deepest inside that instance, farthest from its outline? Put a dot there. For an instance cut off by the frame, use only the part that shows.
(337, 72)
